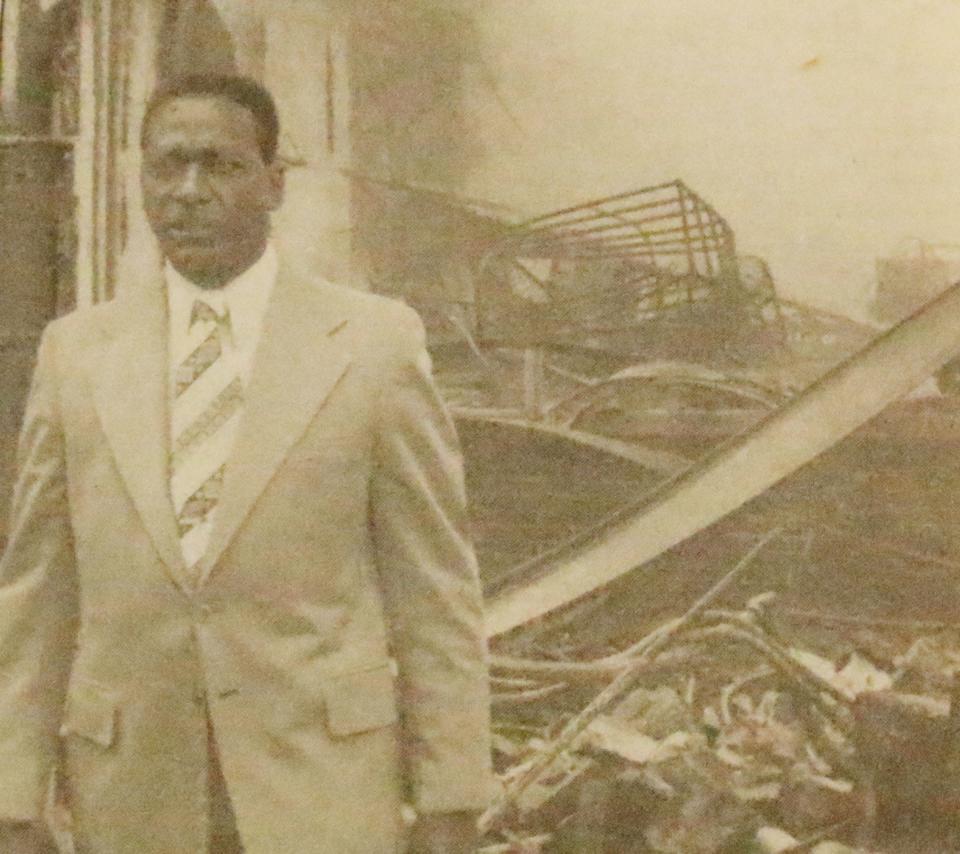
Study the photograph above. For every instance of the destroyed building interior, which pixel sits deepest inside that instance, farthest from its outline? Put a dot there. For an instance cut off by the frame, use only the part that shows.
(719, 616)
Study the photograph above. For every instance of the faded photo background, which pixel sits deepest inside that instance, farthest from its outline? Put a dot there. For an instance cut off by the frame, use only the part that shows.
(640, 234)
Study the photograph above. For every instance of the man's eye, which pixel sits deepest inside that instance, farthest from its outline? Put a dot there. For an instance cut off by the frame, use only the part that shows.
(226, 167)
(160, 164)
(165, 168)
(173, 167)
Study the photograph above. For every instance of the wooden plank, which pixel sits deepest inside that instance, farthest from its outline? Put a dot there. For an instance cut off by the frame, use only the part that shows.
(9, 38)
(93, 154)
(888, 368)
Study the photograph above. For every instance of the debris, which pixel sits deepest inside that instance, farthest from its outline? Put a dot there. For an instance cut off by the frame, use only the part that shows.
(859, 676)
(773, 840)
(930, 664)
(746, 744)
(856, 677)
(617, 689)
(616, 736)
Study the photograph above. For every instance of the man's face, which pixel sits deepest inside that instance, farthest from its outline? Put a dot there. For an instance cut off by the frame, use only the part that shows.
(207, 192)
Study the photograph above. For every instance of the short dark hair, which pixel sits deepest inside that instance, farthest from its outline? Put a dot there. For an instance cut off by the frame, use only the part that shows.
(243, 91)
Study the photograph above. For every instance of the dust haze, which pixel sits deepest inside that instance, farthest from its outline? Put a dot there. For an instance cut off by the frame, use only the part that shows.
(826, 131)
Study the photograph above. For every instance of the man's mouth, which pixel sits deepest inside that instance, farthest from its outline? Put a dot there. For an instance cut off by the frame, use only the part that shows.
(188, 233)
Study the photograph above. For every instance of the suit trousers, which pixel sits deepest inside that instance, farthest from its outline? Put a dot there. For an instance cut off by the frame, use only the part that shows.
(224, 836)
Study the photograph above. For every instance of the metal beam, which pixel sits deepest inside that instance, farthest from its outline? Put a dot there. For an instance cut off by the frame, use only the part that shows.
(851, 394)
(662, 462)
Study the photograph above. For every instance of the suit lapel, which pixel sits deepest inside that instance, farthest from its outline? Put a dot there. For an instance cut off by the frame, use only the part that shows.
(299, 362)
(130, 393)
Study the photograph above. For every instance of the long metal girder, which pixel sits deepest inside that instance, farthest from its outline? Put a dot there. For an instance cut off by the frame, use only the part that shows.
(848, 396)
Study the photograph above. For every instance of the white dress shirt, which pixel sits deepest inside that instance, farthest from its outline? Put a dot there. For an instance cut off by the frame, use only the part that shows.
(243, 301)
(241, 305)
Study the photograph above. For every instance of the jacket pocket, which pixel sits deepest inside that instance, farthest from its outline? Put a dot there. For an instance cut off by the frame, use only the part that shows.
(360, 700)
(91, 713)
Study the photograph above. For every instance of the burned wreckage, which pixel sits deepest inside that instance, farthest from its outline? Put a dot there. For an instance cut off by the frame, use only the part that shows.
(716, 529)
(715, 542)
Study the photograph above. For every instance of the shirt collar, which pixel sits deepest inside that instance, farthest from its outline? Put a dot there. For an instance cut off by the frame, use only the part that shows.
(244, 298)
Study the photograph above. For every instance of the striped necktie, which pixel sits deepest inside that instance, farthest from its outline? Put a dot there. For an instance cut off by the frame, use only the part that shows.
(208, 398)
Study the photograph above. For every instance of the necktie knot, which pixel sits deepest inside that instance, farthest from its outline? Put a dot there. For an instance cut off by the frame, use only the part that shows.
(203, 312)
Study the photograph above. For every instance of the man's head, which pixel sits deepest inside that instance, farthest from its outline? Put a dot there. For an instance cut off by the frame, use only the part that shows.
(210, 176)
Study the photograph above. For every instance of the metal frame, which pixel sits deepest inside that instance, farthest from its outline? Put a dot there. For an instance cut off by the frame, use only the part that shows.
(671, 248)
(652, 225)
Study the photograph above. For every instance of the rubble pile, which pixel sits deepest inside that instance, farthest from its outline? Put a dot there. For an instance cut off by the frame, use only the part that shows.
(725, 737)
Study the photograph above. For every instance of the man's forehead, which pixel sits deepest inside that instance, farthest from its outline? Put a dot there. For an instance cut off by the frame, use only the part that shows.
(202, 119)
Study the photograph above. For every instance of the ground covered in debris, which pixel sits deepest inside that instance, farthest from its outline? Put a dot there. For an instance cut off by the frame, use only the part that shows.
(815, 717)
(725, 734)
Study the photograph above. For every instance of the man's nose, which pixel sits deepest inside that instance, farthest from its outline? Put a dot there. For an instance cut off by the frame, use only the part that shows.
(191, 184)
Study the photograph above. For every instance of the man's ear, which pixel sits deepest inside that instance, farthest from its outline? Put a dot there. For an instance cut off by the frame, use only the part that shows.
(277, 177)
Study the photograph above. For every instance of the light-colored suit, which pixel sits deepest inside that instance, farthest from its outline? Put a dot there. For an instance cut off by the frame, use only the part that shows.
(337, 633)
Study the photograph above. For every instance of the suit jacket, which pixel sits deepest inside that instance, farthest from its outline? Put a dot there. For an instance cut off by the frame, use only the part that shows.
(336, 636)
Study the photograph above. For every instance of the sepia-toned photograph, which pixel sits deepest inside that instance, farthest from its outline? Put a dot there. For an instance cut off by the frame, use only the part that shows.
(479, 427)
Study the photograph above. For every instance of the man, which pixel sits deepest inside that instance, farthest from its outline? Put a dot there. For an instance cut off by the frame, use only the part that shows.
(238, 607)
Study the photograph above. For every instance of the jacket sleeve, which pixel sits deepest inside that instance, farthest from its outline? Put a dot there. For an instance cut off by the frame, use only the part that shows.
(430, 581)
(37, 604)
